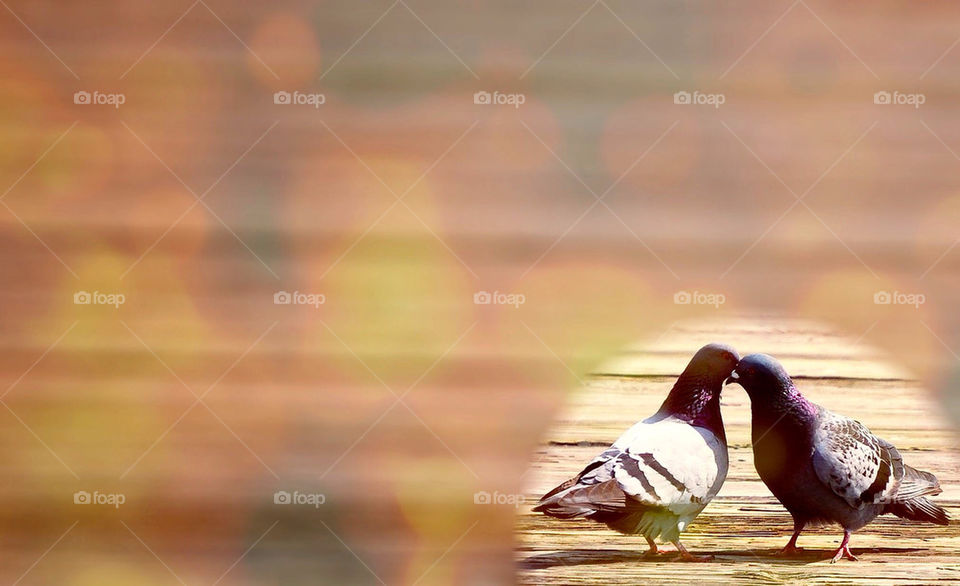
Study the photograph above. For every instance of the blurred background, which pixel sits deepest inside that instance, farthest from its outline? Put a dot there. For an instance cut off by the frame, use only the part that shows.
(296, 281)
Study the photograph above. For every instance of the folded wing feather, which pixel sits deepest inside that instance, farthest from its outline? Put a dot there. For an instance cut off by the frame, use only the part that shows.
(661, 463)
(862, 468)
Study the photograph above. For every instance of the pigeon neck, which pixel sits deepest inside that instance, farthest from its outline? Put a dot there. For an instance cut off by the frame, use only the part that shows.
(693, 400)
(789, 401)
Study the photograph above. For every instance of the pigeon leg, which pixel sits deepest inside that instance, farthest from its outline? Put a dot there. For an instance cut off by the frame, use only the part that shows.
(654, 550)
(689, 557)
(791, 547)
(843, 552)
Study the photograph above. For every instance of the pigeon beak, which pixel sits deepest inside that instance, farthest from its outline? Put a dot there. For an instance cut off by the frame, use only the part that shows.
(733, 378)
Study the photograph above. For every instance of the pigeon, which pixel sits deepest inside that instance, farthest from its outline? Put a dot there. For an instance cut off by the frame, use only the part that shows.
(823, 467)
(658, 476)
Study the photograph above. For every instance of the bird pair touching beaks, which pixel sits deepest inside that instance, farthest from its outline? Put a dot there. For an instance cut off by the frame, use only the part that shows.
(824, 468)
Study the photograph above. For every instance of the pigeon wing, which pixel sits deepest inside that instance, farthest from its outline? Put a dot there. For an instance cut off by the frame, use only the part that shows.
(595, 472)
(858, 466)
(670, 462)
(665, 463)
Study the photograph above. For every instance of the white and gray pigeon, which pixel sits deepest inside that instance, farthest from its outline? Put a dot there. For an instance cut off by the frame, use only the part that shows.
(824, 467)
(664, 470)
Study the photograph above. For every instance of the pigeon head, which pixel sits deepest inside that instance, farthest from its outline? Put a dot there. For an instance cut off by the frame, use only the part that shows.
(762, 377)
(695, 396)
(712, 363)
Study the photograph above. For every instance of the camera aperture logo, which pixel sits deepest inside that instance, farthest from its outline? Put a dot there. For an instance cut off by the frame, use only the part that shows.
(899, 298)
(699, 298)
(698, 98)
(114, 499)
(298, 298)
(483, 98)
(98, 298)
(483, 497)
(498, 298)
(85, 98)
(896, 98)
(314, 499)
(299, 98)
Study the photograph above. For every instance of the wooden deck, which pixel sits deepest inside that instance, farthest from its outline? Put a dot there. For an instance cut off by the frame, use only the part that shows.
(745, 525)
(297, 198)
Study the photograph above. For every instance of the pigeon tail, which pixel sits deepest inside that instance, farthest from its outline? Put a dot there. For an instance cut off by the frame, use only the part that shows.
(559, 512)
(916, 483)
(919, 509)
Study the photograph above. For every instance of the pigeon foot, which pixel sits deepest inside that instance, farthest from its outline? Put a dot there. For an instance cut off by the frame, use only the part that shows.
(652, 553)
(689, 557)
(791, 547)
(686, 556)
(655, 550)
(843, 552)
(789, 550)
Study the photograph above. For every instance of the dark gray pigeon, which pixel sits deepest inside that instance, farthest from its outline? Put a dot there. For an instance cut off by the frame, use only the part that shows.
(823, 467)
(664, 470)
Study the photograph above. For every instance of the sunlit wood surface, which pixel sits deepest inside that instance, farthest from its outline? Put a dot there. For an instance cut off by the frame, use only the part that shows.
(745, 525)
(296, 198)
